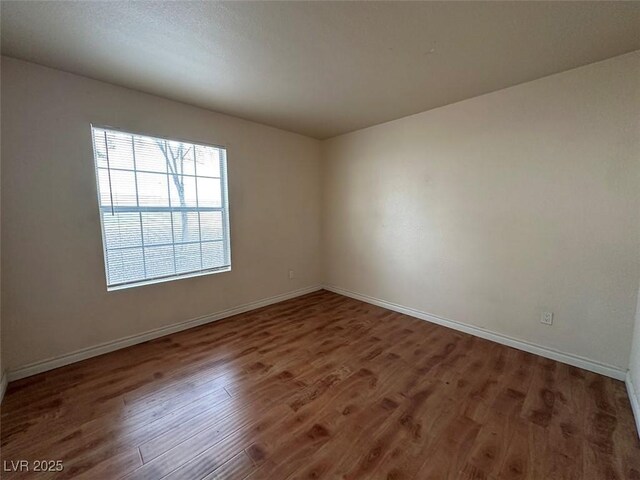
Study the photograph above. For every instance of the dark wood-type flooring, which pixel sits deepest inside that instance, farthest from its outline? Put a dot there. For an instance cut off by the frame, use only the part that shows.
(321, 386)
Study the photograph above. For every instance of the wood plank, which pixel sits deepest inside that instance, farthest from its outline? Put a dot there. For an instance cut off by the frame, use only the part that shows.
(321, 386)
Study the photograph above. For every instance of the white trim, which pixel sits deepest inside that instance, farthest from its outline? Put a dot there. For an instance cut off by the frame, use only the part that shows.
(575, 360)
(633, 399)
(3, 385)
(169, 278)
(83, 354)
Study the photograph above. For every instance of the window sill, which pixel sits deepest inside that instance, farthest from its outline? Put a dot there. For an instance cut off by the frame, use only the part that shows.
(167, 279)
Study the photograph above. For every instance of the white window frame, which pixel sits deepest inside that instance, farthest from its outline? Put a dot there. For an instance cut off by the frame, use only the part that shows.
(224, 209)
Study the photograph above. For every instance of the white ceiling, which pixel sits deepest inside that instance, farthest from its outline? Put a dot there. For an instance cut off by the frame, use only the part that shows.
(318, 68)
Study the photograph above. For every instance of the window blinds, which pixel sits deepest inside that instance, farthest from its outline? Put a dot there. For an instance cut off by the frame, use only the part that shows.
(163, 207)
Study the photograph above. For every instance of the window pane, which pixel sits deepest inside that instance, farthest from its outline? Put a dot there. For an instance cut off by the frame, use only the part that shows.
(188, 258)
(207, 161)
(157, 199)
(183, 191)
(180, 158)
(104, 187)
(211, 225)
(149, 155)
(125, 265)
(121, 230)
(185, 227)
(120, 150)
(152, 190)
(156, 227)
(209, 194)
(213, 255)
(100, 148)
(159, 261)
(121, 187)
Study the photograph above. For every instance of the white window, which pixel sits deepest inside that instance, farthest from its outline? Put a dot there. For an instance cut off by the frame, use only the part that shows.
(163, 208)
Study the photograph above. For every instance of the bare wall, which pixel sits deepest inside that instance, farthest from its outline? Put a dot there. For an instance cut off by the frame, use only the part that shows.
(634, 364)
(2, 363)
(495, 209)
(54, 296)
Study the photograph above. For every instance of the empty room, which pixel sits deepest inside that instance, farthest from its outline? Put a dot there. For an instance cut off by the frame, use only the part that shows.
(286, 240)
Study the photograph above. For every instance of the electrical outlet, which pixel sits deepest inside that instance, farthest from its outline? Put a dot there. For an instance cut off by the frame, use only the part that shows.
(291, 275)
(547, 318)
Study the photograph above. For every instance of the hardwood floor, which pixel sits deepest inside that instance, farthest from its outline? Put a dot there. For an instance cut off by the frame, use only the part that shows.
(321, 386)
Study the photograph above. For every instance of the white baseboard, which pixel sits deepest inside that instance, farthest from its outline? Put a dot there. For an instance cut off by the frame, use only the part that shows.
(3, 385)
(83, 354)
(633, 398)
(575, 360)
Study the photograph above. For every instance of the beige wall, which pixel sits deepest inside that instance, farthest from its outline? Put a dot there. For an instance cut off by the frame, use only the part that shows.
(486, 212)
(2, 364)
(54, 297)
(634, 359)
(494, 209)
